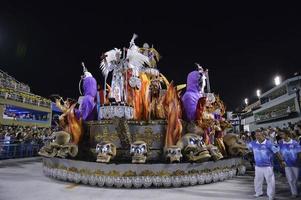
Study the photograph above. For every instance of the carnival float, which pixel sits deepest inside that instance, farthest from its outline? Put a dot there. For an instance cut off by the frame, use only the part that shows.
(141, 130)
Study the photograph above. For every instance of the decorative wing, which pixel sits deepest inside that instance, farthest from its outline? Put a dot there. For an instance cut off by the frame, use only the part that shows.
(154, 56)
(108, 62)
(135, 58)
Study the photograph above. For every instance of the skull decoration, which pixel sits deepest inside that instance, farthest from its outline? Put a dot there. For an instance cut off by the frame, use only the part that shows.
(60, 147)
(194, 148)
(135, 82)
(234, 145)
(173, 154)
(138, 152)
(215, 152)
(106, 152)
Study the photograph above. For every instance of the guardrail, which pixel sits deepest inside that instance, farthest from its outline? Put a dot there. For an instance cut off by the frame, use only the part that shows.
(22, 150)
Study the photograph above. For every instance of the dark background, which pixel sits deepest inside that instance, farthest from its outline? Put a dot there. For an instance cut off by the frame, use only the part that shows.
(243, 46)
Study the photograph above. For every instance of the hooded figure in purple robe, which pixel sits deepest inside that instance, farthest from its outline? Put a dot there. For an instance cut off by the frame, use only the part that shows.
(87, 109)
(194, 91)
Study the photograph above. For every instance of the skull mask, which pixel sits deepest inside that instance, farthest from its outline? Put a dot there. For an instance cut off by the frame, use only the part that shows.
(106, 152)
(215, 152)
(138, 152)
(234, 145)
(194, 148)
(173, 154)
(62, 138)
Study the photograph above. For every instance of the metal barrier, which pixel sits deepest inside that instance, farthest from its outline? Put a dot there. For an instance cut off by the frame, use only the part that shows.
(21, 150)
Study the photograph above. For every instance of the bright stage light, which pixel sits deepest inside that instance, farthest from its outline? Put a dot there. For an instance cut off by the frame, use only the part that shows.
(258, 93)
(246, 101)
(277, 80)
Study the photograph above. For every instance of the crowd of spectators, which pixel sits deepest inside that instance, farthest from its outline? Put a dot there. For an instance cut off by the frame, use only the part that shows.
(22, 141)
(27, 135)
(23, 97)
(12, 89)
(7, 81)
(273, 134)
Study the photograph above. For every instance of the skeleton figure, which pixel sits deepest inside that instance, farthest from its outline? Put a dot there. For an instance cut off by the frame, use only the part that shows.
(106, 152)
(138, 152)
(156, 109)
(202, 80)
(132, 62)
(153, 56)
(234, 145)
(173, 154)
(61, 147)
(117, 84)
(194, 148)
(111, 61)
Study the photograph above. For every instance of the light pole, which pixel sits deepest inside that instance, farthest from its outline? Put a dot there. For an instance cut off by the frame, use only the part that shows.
(298, 99)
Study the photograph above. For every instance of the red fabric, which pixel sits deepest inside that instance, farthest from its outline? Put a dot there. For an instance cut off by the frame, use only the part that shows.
(200, 108)
(101, 96)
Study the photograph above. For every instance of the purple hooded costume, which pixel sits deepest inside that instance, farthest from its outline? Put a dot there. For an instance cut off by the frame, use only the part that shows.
(192, 95)
(87, 110)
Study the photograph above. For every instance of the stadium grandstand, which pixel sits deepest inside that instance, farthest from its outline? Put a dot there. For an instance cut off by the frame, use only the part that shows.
(20, 107)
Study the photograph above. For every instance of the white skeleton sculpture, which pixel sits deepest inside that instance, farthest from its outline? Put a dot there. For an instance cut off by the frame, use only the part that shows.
(112, 62)
(204, 77)
(133, 60)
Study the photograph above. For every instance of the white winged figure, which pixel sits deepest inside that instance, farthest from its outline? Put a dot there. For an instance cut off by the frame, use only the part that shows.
(109, 62)
(136, 59)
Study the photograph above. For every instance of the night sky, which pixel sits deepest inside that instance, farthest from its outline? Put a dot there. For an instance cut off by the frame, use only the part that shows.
(243, 46)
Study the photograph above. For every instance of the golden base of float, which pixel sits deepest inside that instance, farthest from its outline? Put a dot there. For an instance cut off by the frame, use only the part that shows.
(142, 175)
(151, 132)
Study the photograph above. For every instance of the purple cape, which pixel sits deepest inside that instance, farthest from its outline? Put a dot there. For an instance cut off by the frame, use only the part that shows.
(192, 95)
(88, 106)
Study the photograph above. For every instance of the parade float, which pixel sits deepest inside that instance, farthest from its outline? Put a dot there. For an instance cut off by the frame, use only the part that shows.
(141, 130)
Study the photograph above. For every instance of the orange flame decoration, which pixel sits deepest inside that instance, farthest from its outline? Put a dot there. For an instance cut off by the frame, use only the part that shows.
(71, 124)
(140, 99)
(75, 125)
(145, 98)
(173, 112)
